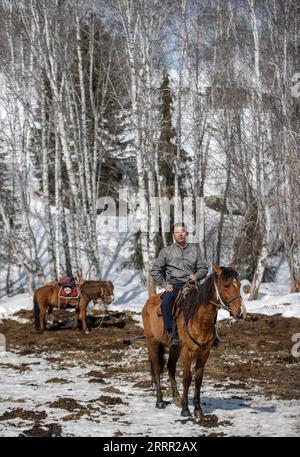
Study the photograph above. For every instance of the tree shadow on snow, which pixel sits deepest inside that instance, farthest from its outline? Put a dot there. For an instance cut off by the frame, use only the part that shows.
(128, 296)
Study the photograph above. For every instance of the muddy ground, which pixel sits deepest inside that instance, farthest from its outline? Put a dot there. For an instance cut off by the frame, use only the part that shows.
(253, 352)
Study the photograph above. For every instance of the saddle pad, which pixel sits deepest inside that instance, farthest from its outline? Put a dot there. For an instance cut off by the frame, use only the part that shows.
(67, 292)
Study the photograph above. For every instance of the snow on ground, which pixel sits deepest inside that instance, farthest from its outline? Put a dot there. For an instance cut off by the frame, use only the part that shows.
(275, 297)
(239, 415)
(10, 305)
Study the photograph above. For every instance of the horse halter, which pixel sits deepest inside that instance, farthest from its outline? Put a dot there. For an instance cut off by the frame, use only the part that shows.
(221, 303)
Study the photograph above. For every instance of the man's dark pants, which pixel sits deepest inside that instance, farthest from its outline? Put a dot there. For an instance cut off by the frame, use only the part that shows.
(167, 303)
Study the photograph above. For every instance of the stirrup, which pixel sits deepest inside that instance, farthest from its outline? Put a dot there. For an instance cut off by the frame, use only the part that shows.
(173, 339)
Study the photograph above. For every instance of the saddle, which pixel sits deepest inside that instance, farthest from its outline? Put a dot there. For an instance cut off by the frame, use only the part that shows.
(68, 289)
(68, 292)
(190, 286)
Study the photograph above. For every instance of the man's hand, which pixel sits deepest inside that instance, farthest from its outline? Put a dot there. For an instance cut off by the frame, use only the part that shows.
(192, 278)
(168, 287)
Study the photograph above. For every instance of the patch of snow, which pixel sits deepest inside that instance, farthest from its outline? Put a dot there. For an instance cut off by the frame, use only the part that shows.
(245, 413)
(11, 305)
(275, 297)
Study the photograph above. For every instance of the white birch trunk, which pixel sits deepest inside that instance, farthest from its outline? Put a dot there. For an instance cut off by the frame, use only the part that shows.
(261, 165)
(83, 124)
(45, 182)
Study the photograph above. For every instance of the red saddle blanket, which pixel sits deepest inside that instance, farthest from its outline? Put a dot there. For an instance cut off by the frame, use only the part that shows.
(68, 292)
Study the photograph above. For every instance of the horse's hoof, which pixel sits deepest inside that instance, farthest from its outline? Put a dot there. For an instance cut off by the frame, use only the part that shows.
(186, 412)
(87, 332)
(161, 404)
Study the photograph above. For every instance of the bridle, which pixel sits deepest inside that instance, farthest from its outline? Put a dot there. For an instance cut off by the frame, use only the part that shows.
(221, 303)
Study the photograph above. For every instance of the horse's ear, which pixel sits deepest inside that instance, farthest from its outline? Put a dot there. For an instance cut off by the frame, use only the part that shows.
(232, 265)
(217, 269)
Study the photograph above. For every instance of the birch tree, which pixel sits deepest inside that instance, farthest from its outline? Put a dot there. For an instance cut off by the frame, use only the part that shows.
(261, 161)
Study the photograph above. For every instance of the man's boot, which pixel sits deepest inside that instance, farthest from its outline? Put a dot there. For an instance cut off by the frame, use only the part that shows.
(173, 339)
(173, 335)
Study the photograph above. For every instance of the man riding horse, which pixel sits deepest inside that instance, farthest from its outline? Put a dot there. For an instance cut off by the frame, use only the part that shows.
(174, 266)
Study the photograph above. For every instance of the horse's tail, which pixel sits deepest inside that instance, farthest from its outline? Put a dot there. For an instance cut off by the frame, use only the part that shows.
(36, 312)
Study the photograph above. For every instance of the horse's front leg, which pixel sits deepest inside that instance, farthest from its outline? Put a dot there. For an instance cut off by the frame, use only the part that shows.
(187, 379)
(172, 361)
(82, 315)
(198, 413)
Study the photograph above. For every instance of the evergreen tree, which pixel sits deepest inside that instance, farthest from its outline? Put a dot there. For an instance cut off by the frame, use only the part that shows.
(167, 148)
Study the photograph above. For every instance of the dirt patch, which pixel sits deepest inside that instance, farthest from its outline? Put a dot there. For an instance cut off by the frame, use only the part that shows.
(23, 414)
(49, 430)
(23, 368)
(97, 381)
(257, 352)
(67, 403)
(57, 381)
(74, 416)
(208, 421)
(225, 423)
(111, 401)
(96, 374)
(97, 377)
(112, 390)
(147, 384)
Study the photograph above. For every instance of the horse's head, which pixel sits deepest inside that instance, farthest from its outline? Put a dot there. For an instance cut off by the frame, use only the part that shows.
(227, 291)
(108, 292)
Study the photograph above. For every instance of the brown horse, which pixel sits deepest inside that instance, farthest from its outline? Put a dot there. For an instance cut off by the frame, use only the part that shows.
(47, 296)
(196, 331)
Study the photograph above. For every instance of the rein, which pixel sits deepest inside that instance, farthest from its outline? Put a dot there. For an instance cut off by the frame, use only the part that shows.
(201, 345)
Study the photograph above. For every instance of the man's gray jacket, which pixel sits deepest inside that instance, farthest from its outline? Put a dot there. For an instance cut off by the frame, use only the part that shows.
(175, 263)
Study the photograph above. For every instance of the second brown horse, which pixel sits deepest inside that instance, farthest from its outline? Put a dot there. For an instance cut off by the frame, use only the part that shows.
(47, 296)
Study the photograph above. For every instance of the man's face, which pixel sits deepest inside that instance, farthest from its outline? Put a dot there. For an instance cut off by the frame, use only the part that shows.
(180, 235)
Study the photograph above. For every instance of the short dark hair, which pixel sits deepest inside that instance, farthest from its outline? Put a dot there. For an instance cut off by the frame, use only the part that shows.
(178, 224)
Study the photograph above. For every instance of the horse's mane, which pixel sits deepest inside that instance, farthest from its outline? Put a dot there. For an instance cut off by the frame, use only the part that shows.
(195, 299)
